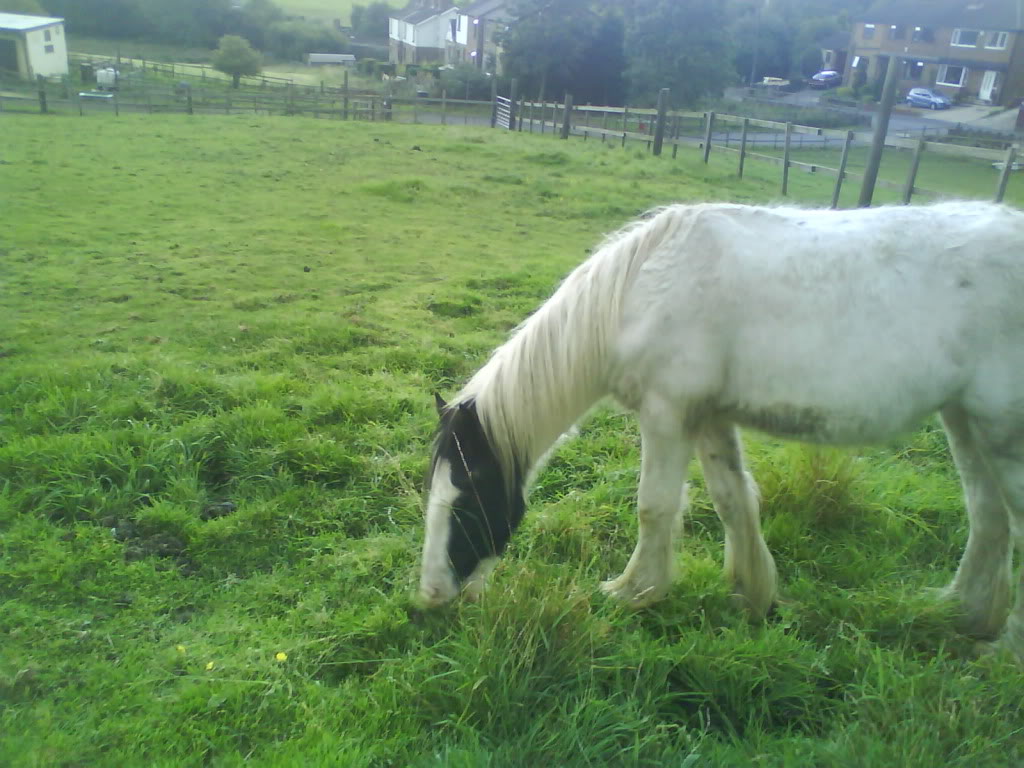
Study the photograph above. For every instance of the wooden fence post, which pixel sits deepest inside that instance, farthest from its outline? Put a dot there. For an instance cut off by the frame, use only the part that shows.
(842, 169)
(1004, 177)
(188, 99)
(494, 101)
(512, 104)
(743, 144)
(344, 98)
(659, 125)
(444, 106)
(567, 118)
(785, 159)
(707, 135)
(625, 117)
(42, 98)
(915, 161)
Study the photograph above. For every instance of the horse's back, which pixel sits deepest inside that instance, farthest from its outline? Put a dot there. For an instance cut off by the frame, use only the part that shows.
(835, 326)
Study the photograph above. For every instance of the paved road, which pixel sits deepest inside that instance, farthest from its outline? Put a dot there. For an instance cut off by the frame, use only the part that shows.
(909, 119)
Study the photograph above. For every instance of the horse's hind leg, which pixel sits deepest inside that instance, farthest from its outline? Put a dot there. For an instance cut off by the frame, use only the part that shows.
(982, 581)
(748, 563)
(1003, 441)
(666, 453)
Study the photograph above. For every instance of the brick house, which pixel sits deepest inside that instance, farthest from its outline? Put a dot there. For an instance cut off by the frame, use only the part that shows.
(970, 50)
(482, 19)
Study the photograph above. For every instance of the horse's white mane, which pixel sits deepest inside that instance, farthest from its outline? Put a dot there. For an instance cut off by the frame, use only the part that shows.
(554, 367)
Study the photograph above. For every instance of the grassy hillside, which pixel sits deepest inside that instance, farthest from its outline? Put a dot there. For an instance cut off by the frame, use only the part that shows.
(218, 343)
(326, 10)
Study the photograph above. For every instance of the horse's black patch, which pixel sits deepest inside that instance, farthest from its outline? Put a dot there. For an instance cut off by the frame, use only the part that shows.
(490, 502)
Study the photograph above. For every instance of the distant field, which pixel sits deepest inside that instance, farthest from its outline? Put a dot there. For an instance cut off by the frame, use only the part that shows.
(219, 337)
(327, 10)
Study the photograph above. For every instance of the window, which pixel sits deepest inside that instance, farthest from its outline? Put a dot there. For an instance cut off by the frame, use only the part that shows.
(922, 35)
(951, 75)
(912, 70)
(897, 32)
(48, 48)
(997, 40)
(965, 38)
(46, 35)
(869, 31)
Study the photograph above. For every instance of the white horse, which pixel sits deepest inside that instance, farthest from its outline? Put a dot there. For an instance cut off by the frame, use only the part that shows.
(842, 327)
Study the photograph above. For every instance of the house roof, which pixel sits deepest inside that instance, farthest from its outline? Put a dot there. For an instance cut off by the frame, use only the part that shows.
(417, 12)
(1001, 15)
(490, 9)
(21, 23)
(418, 15)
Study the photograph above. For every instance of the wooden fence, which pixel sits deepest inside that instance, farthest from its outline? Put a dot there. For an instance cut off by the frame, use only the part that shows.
(748, 138)
(213, 97)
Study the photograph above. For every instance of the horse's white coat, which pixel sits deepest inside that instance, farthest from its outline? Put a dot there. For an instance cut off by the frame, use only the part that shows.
(823, 326)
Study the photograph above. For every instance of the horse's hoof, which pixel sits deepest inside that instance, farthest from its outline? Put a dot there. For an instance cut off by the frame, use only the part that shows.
(631, 595)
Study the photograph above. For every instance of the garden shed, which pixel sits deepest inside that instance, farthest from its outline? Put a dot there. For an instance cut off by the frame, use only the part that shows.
(32, 46)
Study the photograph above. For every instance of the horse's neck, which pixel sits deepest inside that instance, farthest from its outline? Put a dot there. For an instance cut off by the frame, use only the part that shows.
(539, 384)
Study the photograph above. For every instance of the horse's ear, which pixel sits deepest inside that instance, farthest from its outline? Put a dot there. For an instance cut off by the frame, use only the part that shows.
(439, 403)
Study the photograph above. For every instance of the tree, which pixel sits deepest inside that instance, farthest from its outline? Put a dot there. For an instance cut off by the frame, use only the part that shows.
(547, 43)
(234, 56)
(682, 45)
(599, 77)
(29, 7)
(370, 22)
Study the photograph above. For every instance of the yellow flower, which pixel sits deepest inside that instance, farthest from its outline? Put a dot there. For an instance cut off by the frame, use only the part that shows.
(281, 656)
(209, 665)
(179, 648)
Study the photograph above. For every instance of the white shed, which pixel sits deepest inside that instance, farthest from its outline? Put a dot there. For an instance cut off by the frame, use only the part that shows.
(33, 45)
(331, 58)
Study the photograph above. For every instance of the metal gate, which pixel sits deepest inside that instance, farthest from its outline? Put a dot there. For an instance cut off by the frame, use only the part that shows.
(503, 112)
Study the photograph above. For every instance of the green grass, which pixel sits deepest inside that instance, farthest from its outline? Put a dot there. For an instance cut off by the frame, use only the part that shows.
(218, 342)
(136, 49)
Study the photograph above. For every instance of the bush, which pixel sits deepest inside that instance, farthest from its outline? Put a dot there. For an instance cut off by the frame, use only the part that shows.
(366, 66)
(466, 78)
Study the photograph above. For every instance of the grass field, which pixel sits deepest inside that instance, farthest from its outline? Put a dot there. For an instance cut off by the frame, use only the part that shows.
(327, 10)
(218, 342)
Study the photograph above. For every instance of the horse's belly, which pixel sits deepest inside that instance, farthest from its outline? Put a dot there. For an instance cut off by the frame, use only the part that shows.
(826, 425)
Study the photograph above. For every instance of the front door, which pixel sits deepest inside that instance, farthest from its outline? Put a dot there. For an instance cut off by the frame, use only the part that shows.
(988, 85)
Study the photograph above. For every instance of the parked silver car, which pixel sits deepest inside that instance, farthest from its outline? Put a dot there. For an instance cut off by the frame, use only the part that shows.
(925, 97)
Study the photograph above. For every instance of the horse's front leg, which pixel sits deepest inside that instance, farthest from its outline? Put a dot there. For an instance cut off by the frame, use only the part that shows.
(666, 452)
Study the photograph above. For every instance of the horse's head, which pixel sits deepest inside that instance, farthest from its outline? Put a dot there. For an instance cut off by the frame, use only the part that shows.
(474, 504)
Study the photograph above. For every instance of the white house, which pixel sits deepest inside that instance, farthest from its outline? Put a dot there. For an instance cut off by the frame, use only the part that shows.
(33, 46)
(420, 33)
